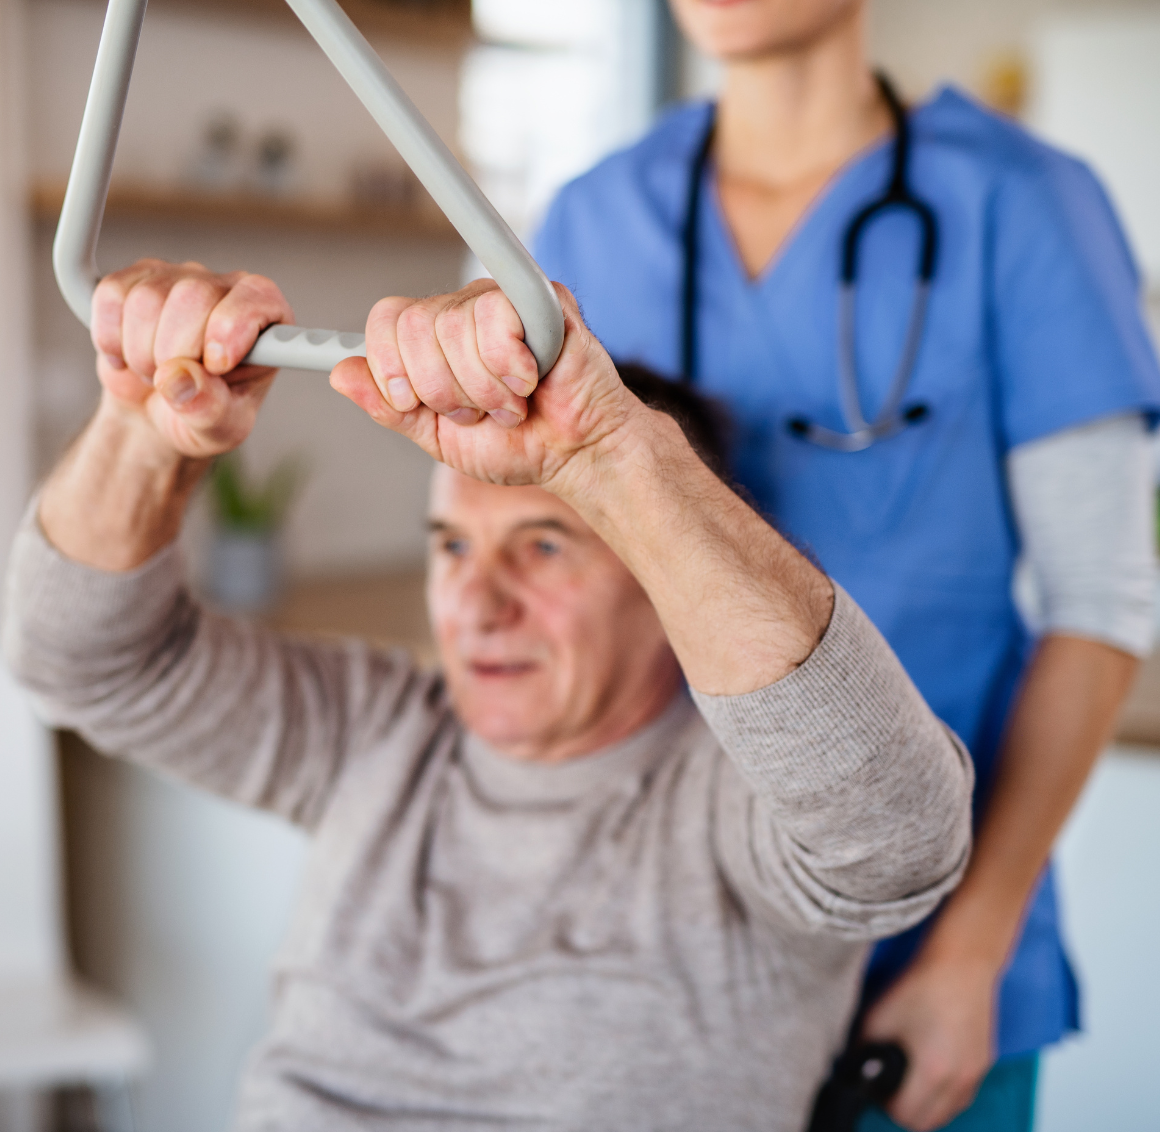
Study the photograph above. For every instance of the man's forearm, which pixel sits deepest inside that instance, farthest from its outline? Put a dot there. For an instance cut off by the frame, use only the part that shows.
(1062, 721)
(741, 607)
(119, 494)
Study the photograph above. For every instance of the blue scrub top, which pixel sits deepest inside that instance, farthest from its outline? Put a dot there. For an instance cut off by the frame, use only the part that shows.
(1034, 325)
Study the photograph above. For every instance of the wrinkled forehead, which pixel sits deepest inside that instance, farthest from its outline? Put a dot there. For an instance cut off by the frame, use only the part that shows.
(466, 503)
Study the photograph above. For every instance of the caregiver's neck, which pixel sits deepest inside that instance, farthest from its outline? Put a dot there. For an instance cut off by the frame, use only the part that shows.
(786, 122)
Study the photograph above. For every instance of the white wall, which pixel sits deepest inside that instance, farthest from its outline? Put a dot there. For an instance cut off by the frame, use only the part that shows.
(179, 901)
(594, 66)
(1097, 94)
(923, 43)
(1109, 861)
(30, 929)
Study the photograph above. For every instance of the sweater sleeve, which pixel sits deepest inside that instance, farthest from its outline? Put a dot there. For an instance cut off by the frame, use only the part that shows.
(134, 664)
(850, 809)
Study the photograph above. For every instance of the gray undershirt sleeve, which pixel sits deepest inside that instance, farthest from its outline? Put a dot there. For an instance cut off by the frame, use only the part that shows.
(1084, 504)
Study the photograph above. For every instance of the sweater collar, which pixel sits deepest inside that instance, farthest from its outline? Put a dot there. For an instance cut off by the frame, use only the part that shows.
(508, 780)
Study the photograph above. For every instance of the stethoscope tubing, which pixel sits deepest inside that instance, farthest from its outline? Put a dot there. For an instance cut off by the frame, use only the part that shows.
(892, 417)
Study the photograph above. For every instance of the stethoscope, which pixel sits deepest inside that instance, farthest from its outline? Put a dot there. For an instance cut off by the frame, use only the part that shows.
(893, 416)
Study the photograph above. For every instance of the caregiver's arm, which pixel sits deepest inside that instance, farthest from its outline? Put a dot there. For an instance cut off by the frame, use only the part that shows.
(1083, 501)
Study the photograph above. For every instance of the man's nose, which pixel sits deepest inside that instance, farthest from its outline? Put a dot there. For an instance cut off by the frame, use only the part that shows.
(487, 600)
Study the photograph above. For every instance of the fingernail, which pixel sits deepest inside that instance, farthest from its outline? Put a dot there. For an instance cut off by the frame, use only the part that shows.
(146, 380)
(115, 360)
(215, 356)
(506, 417)
(465, 416)
(180, 391)
(401, 395)
(517, 385)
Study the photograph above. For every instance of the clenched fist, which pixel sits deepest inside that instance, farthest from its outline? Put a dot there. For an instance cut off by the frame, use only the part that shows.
(170, 340)
(452, 373)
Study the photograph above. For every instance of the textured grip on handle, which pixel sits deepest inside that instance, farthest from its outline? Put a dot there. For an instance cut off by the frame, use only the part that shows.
(299, 348)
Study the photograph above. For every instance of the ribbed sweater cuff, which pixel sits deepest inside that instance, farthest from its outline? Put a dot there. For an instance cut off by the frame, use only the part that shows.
(65, 603)
(826, 719)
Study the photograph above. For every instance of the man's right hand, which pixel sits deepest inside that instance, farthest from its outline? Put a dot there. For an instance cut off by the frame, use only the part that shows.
(170, 340)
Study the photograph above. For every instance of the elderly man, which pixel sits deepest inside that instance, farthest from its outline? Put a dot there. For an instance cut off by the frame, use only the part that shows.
(615, 866)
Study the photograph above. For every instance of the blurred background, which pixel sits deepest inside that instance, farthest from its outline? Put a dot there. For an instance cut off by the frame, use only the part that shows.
(242, 147)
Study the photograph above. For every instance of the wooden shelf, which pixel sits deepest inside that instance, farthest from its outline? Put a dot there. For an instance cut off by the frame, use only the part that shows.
(434, 22)
(386, 609)
(252, 210)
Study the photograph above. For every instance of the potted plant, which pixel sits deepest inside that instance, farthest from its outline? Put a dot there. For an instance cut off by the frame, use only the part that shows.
(245, 568)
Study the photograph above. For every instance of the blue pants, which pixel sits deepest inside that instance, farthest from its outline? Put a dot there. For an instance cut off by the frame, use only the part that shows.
(1005, 1102)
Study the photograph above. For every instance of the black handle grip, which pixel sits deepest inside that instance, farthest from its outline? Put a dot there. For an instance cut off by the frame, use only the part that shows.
(865, 1074)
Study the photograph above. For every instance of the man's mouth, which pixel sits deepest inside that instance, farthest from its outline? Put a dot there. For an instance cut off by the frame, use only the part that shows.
(501, 670)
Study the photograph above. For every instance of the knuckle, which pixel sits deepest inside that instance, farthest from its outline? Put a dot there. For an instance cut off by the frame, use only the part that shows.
(436, 392)
(226, 326)
(488, 395)
(453, 323)
(110, 290)
(388, 309)
(245, 283)
(226, 321)
(146, 297)
(384, 361)
(502, 357)
(195, 290)
(567, 299)
(415, 321)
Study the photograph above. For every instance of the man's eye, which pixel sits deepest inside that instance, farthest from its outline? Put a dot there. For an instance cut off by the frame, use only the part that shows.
(546, 547)
(456, 547)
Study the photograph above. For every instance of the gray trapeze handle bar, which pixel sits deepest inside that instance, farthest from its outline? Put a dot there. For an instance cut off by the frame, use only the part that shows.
(74, 253)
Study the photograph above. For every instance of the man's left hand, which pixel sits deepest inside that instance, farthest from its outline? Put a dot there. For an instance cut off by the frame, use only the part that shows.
(942, 1014)
(452, 373)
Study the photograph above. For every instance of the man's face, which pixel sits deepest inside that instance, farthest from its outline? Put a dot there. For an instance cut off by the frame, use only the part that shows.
(746, 29)
(550, 647)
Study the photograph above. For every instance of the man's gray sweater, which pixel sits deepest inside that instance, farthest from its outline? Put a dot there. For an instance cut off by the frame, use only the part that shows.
(665, 935)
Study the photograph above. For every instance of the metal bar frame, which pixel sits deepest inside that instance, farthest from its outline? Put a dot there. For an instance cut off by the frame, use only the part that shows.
(74, 253)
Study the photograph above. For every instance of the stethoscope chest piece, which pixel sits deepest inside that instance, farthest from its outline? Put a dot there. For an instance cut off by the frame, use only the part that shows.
(858, 440)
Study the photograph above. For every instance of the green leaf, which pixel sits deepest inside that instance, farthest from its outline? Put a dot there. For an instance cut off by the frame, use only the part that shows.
(243, 504)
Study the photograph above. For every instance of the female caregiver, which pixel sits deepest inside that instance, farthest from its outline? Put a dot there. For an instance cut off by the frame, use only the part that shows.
(921, 393)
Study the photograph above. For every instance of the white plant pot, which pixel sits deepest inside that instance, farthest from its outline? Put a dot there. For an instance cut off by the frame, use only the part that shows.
(245, 570)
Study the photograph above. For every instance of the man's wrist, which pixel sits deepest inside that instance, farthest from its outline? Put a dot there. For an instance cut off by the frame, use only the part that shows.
(628, 449)
(120, 493)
